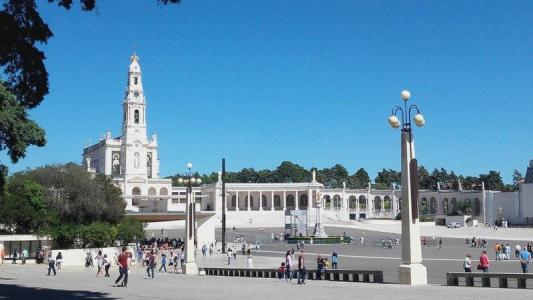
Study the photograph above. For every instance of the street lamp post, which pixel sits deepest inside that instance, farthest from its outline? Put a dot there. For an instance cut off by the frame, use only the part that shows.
(411, 271)
(190, 267)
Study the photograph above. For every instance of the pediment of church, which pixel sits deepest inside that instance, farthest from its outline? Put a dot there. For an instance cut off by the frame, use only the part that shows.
(137, 180)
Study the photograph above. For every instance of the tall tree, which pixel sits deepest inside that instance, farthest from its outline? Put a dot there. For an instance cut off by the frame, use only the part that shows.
(493, 181)
(359, 179)
(387, 178)
(290, 172)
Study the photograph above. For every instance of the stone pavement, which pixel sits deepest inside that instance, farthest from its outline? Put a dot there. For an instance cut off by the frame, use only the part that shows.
(31, 282)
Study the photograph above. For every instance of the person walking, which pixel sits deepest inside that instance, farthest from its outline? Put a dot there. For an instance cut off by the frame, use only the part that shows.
(99, 262)
(2, 253)
(163, 262)
(123, 268)
(334, 260)
(525, 258)
(150, 257)
(229, 252)
(51, 264)
(59, 260)
(24, 256)
(288, 264)
(107, 265)
(484, 263)
(15, 256)
(517, 250)
(249, 261)
(440, 244)
(467, 264)
(301, 268)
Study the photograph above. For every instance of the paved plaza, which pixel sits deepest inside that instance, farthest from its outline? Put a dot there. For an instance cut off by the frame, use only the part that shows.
(31, 282)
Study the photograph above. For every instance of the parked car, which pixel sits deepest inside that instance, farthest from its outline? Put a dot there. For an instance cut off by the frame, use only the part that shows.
(453, 225)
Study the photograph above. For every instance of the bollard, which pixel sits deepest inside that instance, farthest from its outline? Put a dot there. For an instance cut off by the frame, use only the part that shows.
(503, 282)
(470, 281)
(521, 283)
(485, 281)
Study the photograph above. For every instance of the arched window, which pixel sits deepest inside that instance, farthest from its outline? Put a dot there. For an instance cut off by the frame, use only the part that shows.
(377, 203)
(163, 191)
(337, 203)
(290, 202)
(387, 203)
(424, 205)
(277, 201)
(454, 205)
(152, 191)
(362, 202)
(264, 201)
(303, 201)
(477, 207)
(445, 207)
(400, 204)
(327, 201)
(433, 205)
(136, 116)
(135, 80)
(233, 202)
(136, 191)
(352, 202)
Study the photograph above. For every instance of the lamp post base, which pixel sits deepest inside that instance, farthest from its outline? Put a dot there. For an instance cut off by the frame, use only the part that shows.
(413, 274)
(189, 268)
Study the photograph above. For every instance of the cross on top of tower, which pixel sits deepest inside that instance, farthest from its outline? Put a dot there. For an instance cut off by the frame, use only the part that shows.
(134, 57)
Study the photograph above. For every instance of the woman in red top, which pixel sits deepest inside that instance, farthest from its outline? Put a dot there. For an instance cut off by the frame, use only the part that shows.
(484, 262)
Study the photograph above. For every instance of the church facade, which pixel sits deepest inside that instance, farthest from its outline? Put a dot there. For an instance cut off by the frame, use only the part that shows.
(132, 161)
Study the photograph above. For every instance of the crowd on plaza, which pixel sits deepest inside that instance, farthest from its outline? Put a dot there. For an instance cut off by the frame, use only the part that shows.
(502, 252)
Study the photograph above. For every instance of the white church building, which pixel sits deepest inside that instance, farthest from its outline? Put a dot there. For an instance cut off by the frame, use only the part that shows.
(132, 161)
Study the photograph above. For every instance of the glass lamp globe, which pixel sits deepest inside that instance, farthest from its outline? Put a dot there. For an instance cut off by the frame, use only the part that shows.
(405, 94)
(180, 180)
(419, 120)
(193, 180)
(394, 122)
(198, 181)
(189, 165)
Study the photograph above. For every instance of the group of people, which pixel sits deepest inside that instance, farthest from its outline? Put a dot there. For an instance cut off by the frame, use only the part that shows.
(231, 252)
(476, 242)
(522, 253)
(291, 268)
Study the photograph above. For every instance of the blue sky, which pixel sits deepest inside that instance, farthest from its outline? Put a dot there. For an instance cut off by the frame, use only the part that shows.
(313, 82)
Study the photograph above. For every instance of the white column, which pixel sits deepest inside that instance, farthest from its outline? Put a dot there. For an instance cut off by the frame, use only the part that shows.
(249, 202)
(283, 204)
(261, 200)
(272, 201)
(296, 200)
(190, 267)
(237, 201)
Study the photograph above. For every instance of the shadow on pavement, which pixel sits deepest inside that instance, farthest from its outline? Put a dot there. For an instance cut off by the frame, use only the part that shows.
(8, 291)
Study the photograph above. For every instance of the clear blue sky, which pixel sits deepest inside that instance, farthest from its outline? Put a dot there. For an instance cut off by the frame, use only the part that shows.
(312, 82)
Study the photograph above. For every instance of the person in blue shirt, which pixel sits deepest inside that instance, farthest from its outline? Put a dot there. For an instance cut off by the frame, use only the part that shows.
(525, 257)
(334, 260)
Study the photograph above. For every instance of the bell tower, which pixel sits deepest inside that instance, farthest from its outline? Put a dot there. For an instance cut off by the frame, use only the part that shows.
(134, 106)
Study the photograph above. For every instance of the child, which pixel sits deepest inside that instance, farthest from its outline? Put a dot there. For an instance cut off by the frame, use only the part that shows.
(107, 264)
(282, 275)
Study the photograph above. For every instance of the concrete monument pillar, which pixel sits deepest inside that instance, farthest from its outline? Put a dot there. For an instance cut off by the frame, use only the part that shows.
(411, 271)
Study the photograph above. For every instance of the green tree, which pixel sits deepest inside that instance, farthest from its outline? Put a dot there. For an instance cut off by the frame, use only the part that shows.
(517, 179)
(22, 208)
(464, 207)
(425, 181)
(387, 178)
(129, 230)
(493, 181)
(78, 197)
(359, 179)
(290, 172)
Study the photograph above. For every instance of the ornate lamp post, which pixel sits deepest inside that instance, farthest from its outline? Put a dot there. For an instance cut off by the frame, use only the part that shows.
(411, 271)
(190, 267)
